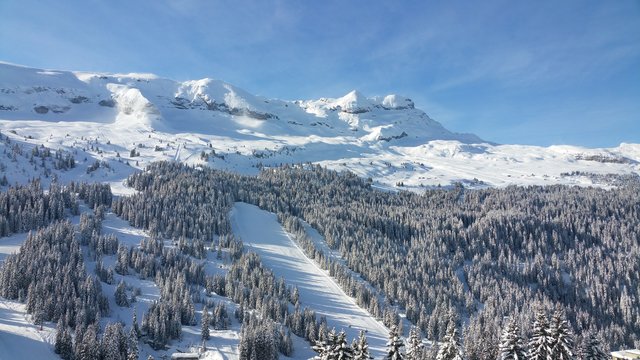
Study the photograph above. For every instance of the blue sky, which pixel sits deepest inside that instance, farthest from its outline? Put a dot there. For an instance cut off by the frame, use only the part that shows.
(532, 72)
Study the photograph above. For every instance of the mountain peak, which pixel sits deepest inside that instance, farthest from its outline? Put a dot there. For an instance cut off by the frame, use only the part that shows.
(208, 106)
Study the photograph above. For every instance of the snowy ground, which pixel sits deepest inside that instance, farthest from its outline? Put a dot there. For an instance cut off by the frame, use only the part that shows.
(19, 338)
(261, 231)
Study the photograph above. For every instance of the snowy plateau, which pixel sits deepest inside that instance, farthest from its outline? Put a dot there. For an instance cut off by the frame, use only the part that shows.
(114, 125)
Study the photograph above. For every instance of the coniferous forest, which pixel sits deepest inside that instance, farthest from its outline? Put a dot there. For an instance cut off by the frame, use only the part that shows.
(540, 272)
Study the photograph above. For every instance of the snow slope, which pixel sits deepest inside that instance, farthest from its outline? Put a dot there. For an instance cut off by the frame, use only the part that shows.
(209, 122)
(19, 338)
(261, 231)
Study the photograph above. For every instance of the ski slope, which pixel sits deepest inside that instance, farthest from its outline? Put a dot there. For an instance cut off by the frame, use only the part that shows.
(261, 231)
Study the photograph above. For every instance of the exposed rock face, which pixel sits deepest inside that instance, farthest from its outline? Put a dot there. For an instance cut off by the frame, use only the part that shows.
(41, 109)
(107, 103)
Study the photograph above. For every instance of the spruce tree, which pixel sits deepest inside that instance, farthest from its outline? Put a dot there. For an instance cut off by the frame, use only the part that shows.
(325, 348)
(132, 345)
(511, 342)
(541, 341)
(342, 350)
(361, 348)
(59, 335)
(562, 338)
(414, 345)
(205, 324)
(591, 348)
(450, 348)
(134, 324)
(394, 345)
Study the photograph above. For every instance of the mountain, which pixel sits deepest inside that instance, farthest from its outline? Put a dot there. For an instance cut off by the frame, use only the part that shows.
(113, 117)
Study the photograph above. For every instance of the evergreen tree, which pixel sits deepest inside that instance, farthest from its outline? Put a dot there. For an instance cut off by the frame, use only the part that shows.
(134, 324)
(132, 345)
(511, 342)
(591, 348)
(541, 340)
(394, 345)
(89, 349)
(204, 333)
(414, 345)
(326, 347)
(64, 342)
(450, 348)
(59, 334)
(342, 350)
(121, 294)
(562, 338)
(361, 349)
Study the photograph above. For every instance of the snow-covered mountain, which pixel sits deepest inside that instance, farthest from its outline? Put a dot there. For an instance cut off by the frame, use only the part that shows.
(106, 116)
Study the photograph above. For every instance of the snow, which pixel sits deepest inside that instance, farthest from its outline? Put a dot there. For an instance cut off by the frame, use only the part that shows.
(11, 245)
(19, 338)
(384, 138)
(101, 117)
(261, 232)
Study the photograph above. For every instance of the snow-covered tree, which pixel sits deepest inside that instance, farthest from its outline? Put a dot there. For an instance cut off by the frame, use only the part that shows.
(394, 345)
(414, 345)
(450, 348)
(204, 333)
(511, 342)
(361, 348)
(342, 350)
(121, 294)
(561, 337)
(326, 348)
(591, 348)
(541, 341)
(64, 342)
(132, 345)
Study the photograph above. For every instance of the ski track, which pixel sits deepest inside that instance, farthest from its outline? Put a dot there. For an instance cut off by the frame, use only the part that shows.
(261, 231)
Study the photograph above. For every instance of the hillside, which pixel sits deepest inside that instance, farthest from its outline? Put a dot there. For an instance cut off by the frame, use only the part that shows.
(136, 119)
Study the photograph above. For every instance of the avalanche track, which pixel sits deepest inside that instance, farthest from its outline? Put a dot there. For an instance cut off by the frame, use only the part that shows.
(261, 231)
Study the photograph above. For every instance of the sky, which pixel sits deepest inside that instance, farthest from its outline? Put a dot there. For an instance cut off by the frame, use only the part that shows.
(525, 72)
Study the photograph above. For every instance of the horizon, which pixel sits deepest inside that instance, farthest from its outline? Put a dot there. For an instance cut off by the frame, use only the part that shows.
(535, 74)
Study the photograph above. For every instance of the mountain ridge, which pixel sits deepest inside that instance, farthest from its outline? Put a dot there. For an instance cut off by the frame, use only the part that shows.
(56, 94)
(134, 119)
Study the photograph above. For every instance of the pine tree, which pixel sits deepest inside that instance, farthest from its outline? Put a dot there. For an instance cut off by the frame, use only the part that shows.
(414, 345)
(325, 348)
(64, 342)
(361, 349)
(450, 347)
(342, 350)
(591, 348)
(394, 345)
(59, 334)
(89, 349)
(204, 334)
(121, 295)
(511, 343)
(562, 338)
(132, 345)
(134, 324)
(66, 350)
(541, 341)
